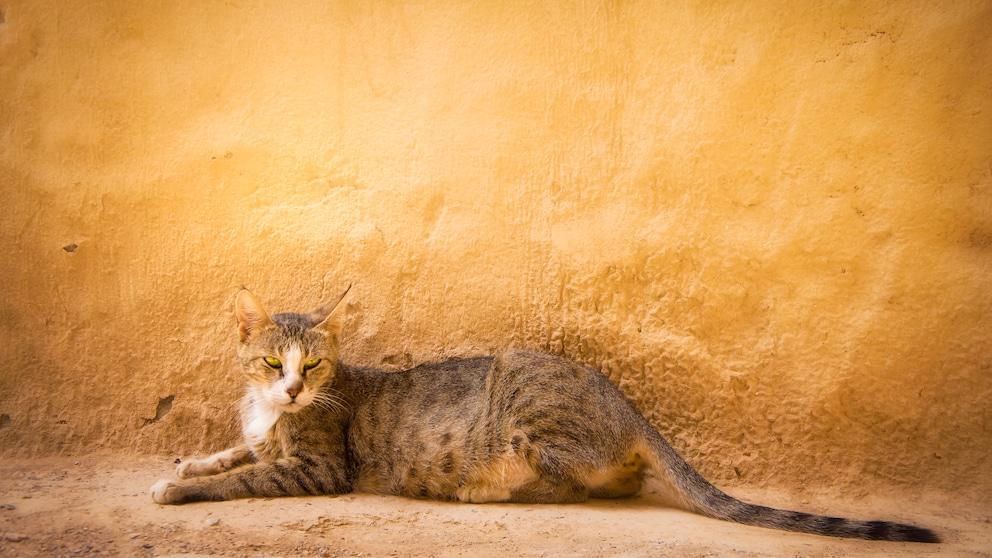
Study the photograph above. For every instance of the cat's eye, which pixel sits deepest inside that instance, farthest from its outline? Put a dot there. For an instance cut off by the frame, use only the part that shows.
(311, 363)
(273, 362)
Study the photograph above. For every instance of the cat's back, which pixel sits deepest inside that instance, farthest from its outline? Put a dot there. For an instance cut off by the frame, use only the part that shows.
(466, 386)
(424, 385)
(389, 409)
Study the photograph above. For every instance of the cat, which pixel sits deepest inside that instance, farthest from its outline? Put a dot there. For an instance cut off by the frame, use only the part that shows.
(516, 427)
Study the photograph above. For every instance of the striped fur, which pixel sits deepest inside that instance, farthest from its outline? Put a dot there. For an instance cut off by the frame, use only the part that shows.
(517, 427)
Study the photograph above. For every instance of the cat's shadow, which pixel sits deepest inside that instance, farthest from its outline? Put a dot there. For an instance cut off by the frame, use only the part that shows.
(644, 501)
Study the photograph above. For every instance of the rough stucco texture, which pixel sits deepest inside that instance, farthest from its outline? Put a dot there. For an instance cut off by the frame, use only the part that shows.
(770, 223)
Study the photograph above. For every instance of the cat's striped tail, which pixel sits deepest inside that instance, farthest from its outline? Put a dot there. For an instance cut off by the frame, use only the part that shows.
(695, 493)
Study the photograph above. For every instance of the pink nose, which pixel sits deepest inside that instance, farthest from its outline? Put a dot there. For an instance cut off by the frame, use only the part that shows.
(293, 392)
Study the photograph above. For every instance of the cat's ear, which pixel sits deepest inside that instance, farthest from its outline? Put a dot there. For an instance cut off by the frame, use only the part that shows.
(251, 316)
(328, 316)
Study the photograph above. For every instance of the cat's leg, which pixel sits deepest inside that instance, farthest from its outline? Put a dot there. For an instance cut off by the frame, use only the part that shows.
(565, 477)
(620, 480)
(481, 494)
(618, 487)
(496, 482)
(511, 482)
(216, 463)
(293, 476)
(494, 478)
(525, 472)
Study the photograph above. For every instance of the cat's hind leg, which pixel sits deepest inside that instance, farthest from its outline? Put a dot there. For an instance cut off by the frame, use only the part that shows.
(496, 479)
(537, 491)
(618, 480)
(527, 474)
(497, 482)
(216, 463)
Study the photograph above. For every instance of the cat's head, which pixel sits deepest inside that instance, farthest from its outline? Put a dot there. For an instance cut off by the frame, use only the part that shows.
(288, 357)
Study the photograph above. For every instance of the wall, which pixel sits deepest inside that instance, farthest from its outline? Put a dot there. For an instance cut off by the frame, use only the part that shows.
(770, 223)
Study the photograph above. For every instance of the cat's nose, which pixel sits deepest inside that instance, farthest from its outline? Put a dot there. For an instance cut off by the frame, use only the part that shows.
(294, 389)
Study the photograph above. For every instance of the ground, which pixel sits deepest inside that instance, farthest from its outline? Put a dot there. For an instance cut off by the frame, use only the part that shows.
(99, 506)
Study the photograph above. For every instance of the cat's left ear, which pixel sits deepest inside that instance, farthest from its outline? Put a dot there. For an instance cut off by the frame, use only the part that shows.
(328, 316)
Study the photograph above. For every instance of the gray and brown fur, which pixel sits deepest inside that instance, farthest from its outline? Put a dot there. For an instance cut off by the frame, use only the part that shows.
(516, 427)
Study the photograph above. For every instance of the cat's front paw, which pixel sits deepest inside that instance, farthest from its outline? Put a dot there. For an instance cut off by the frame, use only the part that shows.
(215, 464)
(188, 469)
(203, 467)
(160, 492)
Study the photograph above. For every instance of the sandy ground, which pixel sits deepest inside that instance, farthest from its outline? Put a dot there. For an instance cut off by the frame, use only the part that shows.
(99, 506)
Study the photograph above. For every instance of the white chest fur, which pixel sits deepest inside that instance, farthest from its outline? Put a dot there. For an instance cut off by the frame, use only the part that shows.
(259, 419)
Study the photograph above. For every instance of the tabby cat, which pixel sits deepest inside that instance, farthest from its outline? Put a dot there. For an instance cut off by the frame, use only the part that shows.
(517, 427)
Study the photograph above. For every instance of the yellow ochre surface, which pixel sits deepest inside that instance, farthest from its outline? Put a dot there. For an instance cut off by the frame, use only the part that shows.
(769, 222)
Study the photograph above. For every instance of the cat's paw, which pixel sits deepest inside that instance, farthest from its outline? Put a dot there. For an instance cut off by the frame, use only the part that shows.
(188, 469)
(213, 465)
(482, 495)
(160, 492)
(204, 467)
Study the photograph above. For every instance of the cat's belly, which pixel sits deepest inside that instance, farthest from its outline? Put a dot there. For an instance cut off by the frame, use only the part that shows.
(438, 480)
(424, 462)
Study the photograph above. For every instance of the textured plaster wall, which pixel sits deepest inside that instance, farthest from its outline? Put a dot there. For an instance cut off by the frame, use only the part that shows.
(769, 222)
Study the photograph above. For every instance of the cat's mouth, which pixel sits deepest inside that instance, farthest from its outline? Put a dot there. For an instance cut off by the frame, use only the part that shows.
(293, 406)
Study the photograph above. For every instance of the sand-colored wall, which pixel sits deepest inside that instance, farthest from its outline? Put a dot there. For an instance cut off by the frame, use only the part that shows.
(769, 222)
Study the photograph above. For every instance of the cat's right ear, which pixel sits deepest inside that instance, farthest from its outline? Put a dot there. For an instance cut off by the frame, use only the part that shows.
(251, 316)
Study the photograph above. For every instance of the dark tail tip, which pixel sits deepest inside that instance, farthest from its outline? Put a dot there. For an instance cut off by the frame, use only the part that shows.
(920, 534)
(885, 531)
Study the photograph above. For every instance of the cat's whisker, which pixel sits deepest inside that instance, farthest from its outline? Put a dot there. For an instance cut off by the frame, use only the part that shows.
(329, 401)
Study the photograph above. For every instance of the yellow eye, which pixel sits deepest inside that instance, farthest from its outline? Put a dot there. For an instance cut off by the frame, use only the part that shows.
(311, 363)
(273, 362)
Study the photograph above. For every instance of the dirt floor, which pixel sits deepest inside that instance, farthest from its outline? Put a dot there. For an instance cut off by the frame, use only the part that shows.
(99, 506)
